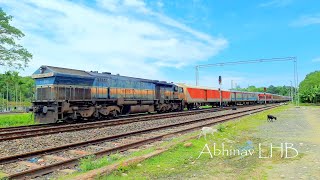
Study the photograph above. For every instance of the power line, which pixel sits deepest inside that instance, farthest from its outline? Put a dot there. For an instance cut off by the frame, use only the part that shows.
(276, 59)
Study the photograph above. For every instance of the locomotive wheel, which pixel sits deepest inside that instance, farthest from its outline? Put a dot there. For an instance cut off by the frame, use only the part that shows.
(70, 120)
(115, 114)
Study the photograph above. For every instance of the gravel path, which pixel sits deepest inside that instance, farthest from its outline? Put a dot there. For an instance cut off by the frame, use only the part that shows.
(300, 126)
(18, 146)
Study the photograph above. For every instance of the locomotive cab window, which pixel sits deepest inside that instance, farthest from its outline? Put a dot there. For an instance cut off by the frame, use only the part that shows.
(181, 90)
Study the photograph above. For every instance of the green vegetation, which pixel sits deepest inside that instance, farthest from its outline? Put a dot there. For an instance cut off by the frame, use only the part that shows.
(310, 88)
(221, 128)
(8, 120)
(90, 162)
(311, 104)
(281, 90)
(15, 90)
(3, 175)
(11, 53)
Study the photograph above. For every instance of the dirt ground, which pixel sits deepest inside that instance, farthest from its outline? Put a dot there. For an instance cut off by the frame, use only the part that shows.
(300, 126)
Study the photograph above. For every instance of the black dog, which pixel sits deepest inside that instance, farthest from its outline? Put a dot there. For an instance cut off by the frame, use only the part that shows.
(271, 118)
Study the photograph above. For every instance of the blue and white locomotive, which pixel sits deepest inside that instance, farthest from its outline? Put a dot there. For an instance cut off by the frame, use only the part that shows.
(67, 95)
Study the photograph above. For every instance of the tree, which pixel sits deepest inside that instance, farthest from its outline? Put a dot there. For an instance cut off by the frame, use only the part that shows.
(281, 90)
(15, 89)
(11, 53)
(310, 88)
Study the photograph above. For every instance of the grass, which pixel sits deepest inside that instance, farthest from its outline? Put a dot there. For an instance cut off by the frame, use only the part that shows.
(3, 175)
(310, 104)
(9, 120)
(90, 162)
(182, 163)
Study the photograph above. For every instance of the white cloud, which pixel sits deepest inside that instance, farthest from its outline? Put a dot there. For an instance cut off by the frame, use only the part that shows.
(316, 59)
(276, 3)
(160, 4)
(123, 37)
(307, 20)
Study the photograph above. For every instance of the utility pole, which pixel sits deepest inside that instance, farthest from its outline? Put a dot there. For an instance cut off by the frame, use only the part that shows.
(265, 96)
(7, 96)
(231, 84)
(3, 102)
(291, 92)
(220, 80)
(16, 96)
(297, 81)
(20, 104)
(197, 75)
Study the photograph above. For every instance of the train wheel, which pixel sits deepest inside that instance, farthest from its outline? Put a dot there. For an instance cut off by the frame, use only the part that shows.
(115, 114)
(70, 120)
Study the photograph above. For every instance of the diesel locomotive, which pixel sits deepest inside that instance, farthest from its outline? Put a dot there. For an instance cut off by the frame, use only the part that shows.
(69, 95)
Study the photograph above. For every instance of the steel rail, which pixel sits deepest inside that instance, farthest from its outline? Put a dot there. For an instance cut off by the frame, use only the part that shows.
(11, 135)
(74, 161)
(35, 126)
(8, 159)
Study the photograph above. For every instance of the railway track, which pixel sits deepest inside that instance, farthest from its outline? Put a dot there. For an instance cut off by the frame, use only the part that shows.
(68, 155)
(25, 131)
(35, 126)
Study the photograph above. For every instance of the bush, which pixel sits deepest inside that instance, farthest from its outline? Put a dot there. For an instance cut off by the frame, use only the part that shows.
(221, 128)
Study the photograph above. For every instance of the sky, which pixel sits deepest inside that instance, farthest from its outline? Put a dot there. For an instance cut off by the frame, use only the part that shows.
(165, 40)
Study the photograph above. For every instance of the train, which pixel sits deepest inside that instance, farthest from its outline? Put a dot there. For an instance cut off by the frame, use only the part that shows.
(70, 95)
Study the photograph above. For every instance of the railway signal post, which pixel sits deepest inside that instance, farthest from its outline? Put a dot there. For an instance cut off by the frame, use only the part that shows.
(220, 80)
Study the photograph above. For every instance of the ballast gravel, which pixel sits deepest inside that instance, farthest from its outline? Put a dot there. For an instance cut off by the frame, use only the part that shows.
(19, 146)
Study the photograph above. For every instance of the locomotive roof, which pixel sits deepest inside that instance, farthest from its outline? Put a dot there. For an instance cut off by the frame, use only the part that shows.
(68, 71)
(102, 75)
(46, 71)
(126, 77)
